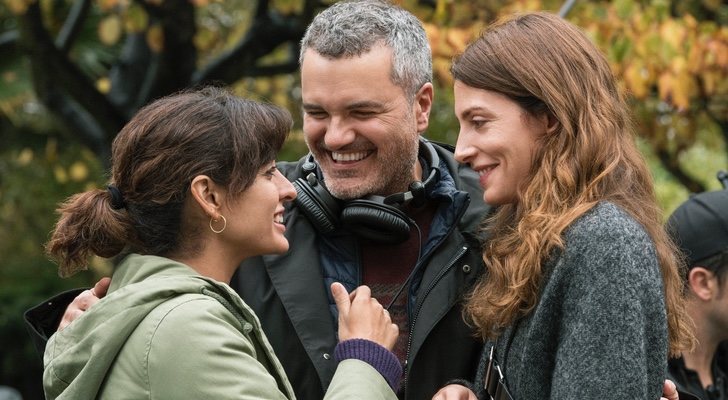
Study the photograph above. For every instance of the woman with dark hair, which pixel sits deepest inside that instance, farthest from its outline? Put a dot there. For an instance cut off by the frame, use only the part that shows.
(194, 190)
(582, 299)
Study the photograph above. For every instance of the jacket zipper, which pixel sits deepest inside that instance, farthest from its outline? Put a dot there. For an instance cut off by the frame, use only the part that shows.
(432, 285)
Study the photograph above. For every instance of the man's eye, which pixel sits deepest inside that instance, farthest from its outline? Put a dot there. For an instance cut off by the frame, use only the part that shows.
(364, 114)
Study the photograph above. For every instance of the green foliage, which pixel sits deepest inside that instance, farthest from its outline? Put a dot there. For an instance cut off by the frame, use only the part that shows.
(32, 182)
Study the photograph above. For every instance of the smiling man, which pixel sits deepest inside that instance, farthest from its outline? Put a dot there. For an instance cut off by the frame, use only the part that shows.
(366, 73)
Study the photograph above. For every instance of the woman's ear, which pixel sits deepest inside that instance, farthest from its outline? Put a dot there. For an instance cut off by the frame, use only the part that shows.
(552, 124)
(207, 195)
(547, 122)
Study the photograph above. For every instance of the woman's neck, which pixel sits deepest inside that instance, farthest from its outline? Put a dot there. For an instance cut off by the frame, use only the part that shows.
(212, 263)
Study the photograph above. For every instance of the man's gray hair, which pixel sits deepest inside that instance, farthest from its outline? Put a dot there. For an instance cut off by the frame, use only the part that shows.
(352, 28)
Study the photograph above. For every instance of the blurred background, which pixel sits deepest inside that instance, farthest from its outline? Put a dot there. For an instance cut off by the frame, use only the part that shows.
(72, 72)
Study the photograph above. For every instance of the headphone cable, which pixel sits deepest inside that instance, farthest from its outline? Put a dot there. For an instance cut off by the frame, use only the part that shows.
(412, 273)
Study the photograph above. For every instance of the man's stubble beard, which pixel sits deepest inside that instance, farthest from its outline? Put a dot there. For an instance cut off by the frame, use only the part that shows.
(397, 165)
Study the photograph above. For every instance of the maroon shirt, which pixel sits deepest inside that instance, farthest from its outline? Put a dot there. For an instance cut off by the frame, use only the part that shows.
(385, 268)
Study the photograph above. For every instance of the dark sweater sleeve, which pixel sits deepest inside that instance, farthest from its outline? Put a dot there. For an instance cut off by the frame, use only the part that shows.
(611, 331)
(42, 320)
(383, 360)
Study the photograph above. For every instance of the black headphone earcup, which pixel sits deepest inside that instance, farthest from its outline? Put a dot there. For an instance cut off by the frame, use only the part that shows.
(317, 204)
(376, 221)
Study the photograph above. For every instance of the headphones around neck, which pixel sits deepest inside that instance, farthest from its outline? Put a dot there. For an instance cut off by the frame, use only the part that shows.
(376, 218)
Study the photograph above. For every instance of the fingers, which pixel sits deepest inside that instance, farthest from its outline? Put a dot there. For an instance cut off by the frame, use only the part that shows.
(669, 391)
(361, 294)
(454, 392)
(84, 301)
(341, 297)
(362, 317)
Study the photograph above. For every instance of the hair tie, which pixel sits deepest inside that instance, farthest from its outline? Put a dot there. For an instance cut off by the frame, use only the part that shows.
(117, 200)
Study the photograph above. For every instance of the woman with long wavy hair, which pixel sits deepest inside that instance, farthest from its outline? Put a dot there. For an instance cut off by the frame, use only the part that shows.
(582, 299)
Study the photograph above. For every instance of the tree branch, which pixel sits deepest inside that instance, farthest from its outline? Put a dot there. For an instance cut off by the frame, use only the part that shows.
(55, 77)
(172, 68)
(128, 74)
(80, 123)
(270, 70)
(267, 32)
(72, 25)
(9, 40)
(671, 164)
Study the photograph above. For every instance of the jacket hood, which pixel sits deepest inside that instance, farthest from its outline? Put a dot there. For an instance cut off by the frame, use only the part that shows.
(77, 359)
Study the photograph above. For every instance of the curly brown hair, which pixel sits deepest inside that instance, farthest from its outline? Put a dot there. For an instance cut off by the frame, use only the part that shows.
(547, 65)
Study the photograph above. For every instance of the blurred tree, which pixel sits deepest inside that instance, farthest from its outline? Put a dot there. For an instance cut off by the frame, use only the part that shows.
(671, 57)
(94, 63)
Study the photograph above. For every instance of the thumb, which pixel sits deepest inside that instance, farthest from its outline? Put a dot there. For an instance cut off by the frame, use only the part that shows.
(101, 287)
(341, 297)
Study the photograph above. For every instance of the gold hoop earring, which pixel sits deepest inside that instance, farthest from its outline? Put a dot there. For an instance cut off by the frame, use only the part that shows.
(224, 224)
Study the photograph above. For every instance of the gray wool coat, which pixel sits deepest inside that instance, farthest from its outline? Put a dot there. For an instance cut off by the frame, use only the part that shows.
(599, 330)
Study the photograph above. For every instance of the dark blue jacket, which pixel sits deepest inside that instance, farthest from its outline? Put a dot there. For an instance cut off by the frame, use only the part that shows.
(289, 292)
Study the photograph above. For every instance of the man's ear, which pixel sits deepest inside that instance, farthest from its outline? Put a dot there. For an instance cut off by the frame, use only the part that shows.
(702, 283)
(207, 195)
(423, 106)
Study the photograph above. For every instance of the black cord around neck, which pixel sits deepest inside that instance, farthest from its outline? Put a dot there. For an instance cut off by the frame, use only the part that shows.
(414, 269)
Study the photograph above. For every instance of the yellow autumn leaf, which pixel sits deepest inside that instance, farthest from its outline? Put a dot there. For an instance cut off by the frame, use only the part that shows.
(109, 30)
(106, 5)
(457, 38)
(60, 173)
(695, 55)
(434, 37)
(262, 85)
(690, 21)
(672, 33)
(635, 75)
(206, 40)
(103, 85)
(718, 50)
(441, 68)
(135, 19)
(25, 157)
(678, 65)
(683, 89)
(665, 84)
(155, 38)
(17, 7)
(710, 79)
(78, 171)
(51, 150)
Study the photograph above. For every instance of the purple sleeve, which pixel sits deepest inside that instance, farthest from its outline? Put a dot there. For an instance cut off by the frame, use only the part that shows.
(383, 360)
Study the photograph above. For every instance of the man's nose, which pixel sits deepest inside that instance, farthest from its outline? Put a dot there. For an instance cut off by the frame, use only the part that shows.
(339, 133)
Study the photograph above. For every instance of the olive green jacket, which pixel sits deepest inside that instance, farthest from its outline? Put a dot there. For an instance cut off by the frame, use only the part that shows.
(165, 332)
